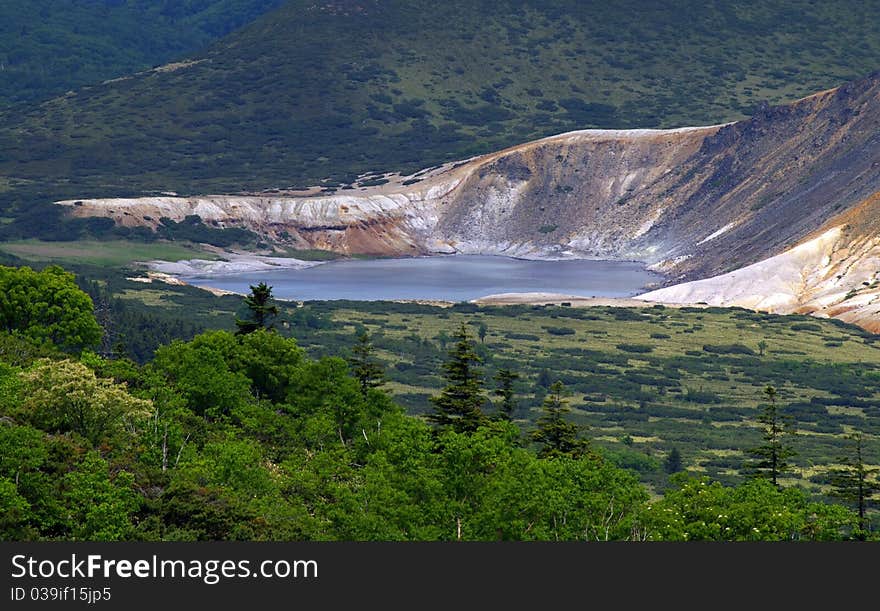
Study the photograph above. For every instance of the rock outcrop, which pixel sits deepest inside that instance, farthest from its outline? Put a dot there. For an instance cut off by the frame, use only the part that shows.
(694, 203)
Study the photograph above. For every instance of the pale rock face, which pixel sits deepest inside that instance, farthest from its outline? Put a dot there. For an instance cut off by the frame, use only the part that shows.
(692, 203)
(825, 276)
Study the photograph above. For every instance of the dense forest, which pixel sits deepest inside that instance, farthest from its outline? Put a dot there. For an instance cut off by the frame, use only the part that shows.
(239, 434)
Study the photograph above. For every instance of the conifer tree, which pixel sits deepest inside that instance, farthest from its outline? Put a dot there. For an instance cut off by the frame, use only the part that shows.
(505, 379)
(771, 457)
(482, 330)
(262, 310)
(856, 484)
(366, 370)
(673, 463)
(558, 436)
(460, 403)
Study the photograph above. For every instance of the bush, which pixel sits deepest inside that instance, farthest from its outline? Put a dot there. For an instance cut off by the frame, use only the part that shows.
(636, 348)
(728, 349)
(806, 326)
(559, 330)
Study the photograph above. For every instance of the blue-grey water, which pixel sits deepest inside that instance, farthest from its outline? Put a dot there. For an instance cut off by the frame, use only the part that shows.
(447, 278)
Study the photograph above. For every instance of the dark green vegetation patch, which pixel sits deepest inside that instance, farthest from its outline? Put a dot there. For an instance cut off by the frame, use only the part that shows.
(318, 92)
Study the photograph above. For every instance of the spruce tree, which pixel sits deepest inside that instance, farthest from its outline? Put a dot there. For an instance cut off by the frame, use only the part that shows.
(460, 403)
(366, 370)
(771, 457)
(505, 379)
(261, 310)
(557, 436)
(856, 484)
(673, 463)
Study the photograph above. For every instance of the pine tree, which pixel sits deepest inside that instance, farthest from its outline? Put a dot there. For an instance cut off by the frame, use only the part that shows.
(544, 379)
(366, 370)
(261, 309)
(482, 330)
(673, 463)
(771, 458)
(460, 403)
(856, 484)
(505, 379)
(557, 436)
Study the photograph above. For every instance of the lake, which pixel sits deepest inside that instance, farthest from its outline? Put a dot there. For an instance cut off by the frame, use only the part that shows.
(446, 278)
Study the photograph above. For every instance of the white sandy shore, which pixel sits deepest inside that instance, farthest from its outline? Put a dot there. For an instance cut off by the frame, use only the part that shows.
(234, 264)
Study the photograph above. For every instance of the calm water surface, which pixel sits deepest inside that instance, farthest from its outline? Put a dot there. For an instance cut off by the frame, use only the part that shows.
(449, 278)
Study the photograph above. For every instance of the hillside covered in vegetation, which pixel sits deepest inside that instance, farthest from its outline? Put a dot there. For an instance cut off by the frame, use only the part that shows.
(243, 436)
(322, 92)
(50, 47)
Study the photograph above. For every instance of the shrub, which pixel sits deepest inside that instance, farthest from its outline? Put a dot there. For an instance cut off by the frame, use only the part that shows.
(728, 349)
(636, 348)
(559, 330)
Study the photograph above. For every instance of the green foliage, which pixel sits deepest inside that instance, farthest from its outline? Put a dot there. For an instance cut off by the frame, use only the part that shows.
(554, 433)
(856, 484)
(771, 457)
(560, 330)
(99, 505)
(460, 403)
(366, 370)
(702, 510)
(66, 396)
(728, 349)
(14, 509)
(245, 437)
(191, 229)
(262, 310)
(201, 372)
(673, 463)
(48, 49)
(507, 405)
(47, 306)
(635, 348)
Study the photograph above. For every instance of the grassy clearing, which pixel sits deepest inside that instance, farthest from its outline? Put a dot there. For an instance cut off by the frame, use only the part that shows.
(644, 380)
(111, 253)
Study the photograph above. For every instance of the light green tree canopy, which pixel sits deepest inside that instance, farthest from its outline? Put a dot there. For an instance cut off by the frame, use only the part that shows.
(67, 396)
(47, 306)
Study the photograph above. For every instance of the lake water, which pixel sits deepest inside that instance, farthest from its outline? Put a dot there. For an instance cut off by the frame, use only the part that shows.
(447, 278)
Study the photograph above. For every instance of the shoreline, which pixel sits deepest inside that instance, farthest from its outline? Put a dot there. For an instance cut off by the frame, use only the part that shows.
(180, 273)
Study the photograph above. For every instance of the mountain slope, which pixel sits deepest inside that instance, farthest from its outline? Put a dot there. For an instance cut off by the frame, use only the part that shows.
(835, 274)
(48, 47)
(692, 202)
(326, 91)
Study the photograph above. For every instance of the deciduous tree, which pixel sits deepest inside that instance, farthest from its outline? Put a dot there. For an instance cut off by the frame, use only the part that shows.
(47, 306)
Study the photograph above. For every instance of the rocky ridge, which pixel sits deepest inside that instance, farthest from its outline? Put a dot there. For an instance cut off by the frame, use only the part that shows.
(786, 198)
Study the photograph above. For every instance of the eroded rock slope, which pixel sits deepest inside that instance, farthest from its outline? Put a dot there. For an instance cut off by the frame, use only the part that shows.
(694, 203)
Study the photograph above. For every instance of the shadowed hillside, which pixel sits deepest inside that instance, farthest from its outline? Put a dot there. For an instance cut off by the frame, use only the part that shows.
(325, 92)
